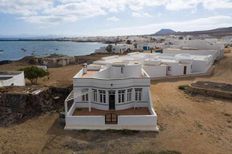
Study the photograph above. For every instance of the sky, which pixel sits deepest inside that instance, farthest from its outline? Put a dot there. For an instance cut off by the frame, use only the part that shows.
(110, 17)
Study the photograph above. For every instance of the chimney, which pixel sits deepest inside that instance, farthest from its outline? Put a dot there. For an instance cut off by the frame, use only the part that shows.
(84, 68)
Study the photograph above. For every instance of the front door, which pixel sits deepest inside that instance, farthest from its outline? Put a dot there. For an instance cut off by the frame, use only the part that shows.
(185, 69)
(111, 118)
(112, 100)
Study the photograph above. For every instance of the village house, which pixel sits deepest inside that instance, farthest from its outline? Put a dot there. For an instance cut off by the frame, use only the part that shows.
(54, 61)
(115, 96)
(12, 78)
(101, 50)
(116, 48)
(145, 46)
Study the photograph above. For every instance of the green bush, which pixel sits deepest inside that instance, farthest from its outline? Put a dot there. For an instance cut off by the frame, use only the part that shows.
(33, 73)
(169, 152)
(183, 87)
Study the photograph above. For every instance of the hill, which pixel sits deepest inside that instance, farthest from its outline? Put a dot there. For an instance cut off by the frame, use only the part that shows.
(218, 32)
(165, 32)
(213, 32)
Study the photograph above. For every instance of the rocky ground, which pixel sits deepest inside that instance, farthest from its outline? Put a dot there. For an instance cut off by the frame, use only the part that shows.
(16, 107)
(188, 125)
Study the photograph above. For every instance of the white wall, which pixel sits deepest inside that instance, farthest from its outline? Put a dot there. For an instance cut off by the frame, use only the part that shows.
(15, 80)
(155, 71)
(111, 83)
(199, 66)
(128, 71)
(86, 121)
(131, 122)
(176, 69)
(141, 120)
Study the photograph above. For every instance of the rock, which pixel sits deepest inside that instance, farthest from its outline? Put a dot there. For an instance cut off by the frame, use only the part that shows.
(15, 107)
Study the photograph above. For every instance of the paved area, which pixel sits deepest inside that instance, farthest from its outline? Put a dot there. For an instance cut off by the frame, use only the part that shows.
(131, 111)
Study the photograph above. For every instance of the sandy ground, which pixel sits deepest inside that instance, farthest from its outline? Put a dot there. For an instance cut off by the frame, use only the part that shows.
(57, 76)
(190, 125)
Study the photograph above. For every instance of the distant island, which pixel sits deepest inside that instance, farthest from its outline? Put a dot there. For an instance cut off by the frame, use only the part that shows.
(218, 32)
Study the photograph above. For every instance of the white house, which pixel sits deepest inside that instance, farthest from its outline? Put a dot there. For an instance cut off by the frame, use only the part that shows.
(111, 96)
(194, 46)
(101, 50)
(12, 78)
(145, 46)
(121, 48)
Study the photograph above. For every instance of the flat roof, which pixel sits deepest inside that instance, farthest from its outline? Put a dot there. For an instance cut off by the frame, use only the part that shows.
(5, 78)
(10, 72)
(89, 73)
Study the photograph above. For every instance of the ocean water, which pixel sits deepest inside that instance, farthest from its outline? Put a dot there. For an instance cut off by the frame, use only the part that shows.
(14, 50)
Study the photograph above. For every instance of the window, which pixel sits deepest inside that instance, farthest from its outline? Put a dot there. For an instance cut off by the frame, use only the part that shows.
(121, 96)
(129, 94)
(122, 70)
(94, 95)
(138, 94)
(169, 68)
(102, 94)
(85, 96)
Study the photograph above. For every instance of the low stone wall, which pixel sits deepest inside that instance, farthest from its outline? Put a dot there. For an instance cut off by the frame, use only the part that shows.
(209, 92)
(15, 107)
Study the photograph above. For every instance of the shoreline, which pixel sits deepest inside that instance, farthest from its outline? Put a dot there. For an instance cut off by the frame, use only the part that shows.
(61, 40)
(80, 57)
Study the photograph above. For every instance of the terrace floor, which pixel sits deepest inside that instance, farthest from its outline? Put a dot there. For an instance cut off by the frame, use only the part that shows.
(88, 74)
(130, 111)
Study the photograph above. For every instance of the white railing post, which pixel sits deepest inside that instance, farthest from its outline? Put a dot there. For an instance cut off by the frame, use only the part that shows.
(89, 99)
(65, 107)
(70, 97)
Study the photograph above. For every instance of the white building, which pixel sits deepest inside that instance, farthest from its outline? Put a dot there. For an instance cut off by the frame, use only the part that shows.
(196, 46)
(145, 46)
(13, 78)
(116, 48)
(111, 96)
(101, 50)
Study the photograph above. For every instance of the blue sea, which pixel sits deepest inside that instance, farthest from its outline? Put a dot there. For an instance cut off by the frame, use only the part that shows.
(14, 50)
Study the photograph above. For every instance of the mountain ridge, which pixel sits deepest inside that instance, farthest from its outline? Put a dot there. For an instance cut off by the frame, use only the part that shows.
(218, 32)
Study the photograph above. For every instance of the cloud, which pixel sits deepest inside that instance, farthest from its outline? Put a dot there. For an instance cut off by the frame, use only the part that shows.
(114, 19)
(141, 14)
(24, 7)
(190, 25)
(57, 11)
